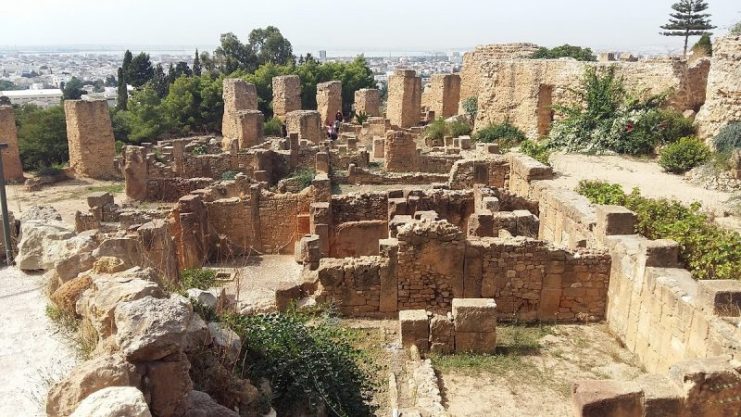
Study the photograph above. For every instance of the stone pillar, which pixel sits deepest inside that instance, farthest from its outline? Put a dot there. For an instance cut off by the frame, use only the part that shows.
(178, 157)
(286, 95)
(135, 172)
(400, 152)
(329, 100)
(445, 94)
(307, 124)
(239, 96)
(405, 98)
(12, 168)
(368, 101)
(249, 128)
(90, 138)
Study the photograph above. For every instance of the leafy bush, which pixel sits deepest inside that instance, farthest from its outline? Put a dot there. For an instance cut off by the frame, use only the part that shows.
(119, 147)
(42, 136)
(505, 134)
(707, 250)
(681, 156)
(273, 127)
(200, 278)
(729, 138)
(538, 151)
(307, 364)
(199, 150)
(565, 51)
(50, 171)
(458, 128)
(304, 176)
(471, 107)
(606, 118)
(361, 117)
(704, 46)
(229, 175)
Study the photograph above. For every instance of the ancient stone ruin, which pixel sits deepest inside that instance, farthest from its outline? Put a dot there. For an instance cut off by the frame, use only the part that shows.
(12, 168)
(452, 239)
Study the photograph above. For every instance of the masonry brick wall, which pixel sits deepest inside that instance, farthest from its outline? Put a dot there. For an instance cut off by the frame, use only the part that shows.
(238, 96)
(404, 98)
(90, 138)
(368, 101)
(400, 152)
(307, 124)
(354, 283)
(286, 95)
(12, 167)
(328, 100)
(723, 103)
(445, 93)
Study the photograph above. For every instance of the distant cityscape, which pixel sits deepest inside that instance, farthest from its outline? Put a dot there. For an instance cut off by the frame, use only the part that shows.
(37, 77)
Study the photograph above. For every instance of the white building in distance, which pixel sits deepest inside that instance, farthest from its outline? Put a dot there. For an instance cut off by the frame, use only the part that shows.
(42, 98)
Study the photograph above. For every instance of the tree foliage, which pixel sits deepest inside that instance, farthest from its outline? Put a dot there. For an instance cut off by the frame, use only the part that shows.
(140, 70)
(688, 19)
(42, 136)
(73, 89)
(269, 46)
(122, 94)
(565, 51)
(703, 47)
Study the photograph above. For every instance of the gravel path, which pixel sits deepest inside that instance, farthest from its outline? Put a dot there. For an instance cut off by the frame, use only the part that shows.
(33, 353)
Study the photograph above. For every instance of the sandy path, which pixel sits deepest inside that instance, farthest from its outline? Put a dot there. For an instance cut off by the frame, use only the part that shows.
(645, 174)
(33, 353)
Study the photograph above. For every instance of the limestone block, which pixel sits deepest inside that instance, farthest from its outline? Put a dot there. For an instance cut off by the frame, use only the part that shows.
(442, 334)
(475, 342)
(712, 386)
(114, 402)
(307, 124)
(368, 101)
(607, 399)
(286, 95)
(329, 100)
(66, 296)
(12, 167)
(414, 329)
(378, 146)
(90, 138)
(474, 315)
(200, 404)
(720, 297)
(404, 98)
(322, 162)
(445, 91)
(168, 385)
(480, 224)
(662, 398)
(661, 253)
(491, 203)
(100, 199)
(615, 220)
(527, 223)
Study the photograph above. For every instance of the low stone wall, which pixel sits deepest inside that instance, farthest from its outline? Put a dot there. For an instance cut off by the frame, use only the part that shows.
(355, 281)
(360, 176)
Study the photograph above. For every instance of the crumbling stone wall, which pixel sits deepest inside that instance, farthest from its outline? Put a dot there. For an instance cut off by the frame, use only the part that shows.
(445, 94)
(471, 74)
(12, 167)
(90, 138)
(246, 128)
(286, 95)
(524, 91)
(354, 281)
(368, 101)
(400, 152)
(404, 98)
(492, 170)
(723, 104)
(307, 124)
(329, 100)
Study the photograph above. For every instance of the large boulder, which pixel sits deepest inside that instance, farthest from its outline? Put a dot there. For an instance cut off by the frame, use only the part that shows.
(43, 245)
(168, 385)
(201, 404)
(90, 376)
(128, 250)
(113, 402)
(149, 329)
(99, 302)
(197, 336)
(66, 296)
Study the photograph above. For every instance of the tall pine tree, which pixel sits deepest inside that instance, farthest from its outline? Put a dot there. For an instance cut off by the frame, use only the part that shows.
(197, 65)
(126, 66)
(688, 20)
(122, 99)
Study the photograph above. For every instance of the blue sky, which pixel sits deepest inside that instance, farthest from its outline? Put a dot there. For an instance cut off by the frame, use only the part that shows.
(350, 25)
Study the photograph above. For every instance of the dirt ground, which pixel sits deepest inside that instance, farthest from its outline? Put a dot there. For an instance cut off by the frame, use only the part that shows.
(532, 378)
(67, 196)
(649, 177)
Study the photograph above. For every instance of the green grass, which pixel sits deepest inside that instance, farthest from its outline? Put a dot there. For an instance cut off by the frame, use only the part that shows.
(113, 189)
(82, 335)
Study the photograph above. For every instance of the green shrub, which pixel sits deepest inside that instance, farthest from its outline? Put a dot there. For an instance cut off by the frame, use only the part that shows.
(200, 278)
(42, 136)
(50, 171)
(199, 150)
(729, 138)
(565, 51)
(471, 107)
(458, 128)
(273, 127)
(667, 126)
(304, 176)
(707, 250)
(684, 155)
(538, 151)
(229, 175)
(119, 147)
(361, 117)
(704, 46)
(437, 130)
(505, 134)
(308, 365)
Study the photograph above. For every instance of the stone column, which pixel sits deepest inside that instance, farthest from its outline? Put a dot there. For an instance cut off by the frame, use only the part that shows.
(90, 138)
(286, 95)
(405, 98)
(12, 168)
(239, 96)
(445, 91)
(329, 100)
(249, 128)
(368, 101)
(400, 152)
(307, 124)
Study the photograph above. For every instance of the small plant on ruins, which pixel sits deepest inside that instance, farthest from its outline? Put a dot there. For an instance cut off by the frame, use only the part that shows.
(361, 117)
(536, 150)
(471, 107)
(304, 177)
(735, 29)
(683, 155)
(199, 150)
(199, 278)
(437, 130)
(505, 134)
(272, 127)
(565, 51)
(729, 138)
(703, 47)
(707, 250)
(229, 175)
(308, 361)
(458, 128)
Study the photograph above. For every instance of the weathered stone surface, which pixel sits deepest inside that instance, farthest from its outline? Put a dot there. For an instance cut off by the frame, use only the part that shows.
(307, 124)
(368, 101)
(12, 167)
(149, 329)
(404, 98)
(168, 385)
(113, 402)
(445, 93)
(66, 296)
(90, 138)
(329, 100)
(99, 302)
(90, 376)
(197, 336)
(615, 220)
(225, 342)
(200, 404)
(723, 102)
(45, 241)
(474, 314)
(607, 399)
(286, 95)
(414, 329)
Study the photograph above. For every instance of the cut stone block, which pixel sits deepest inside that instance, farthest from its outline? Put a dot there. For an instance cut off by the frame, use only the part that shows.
(475, 315)
(607, 399)
(414, 329)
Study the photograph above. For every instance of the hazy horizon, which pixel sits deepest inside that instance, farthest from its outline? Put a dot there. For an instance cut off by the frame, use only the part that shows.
(383, 26)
